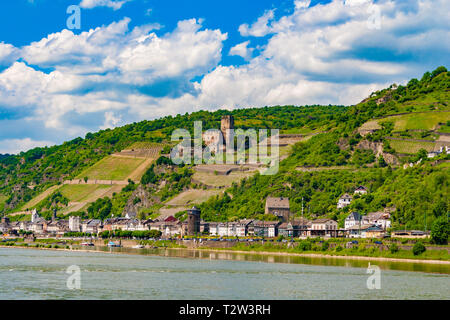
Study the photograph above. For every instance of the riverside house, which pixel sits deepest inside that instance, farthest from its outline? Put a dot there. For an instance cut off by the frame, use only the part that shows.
(352, 219)
(323, 228)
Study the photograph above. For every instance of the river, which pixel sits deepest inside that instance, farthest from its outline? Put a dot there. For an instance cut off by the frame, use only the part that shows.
(186, 274)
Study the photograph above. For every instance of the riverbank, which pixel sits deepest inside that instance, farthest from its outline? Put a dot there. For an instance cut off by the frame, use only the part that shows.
(328, 256)
(266, 253)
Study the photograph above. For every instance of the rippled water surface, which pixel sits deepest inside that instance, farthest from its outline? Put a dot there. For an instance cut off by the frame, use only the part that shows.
(178, 274)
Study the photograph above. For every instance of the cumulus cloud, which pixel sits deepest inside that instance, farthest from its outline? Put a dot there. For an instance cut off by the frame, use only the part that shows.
(242, 50)
(260, 28)
(112, 75)
(113, 4)
(8, 53)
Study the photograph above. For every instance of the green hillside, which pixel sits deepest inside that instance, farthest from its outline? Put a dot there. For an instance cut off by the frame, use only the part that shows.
(399, 120)
(112, 168)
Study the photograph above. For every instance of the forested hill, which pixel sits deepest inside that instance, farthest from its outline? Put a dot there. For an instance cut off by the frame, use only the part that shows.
(43, 167)
(375, 159)
(418, 194)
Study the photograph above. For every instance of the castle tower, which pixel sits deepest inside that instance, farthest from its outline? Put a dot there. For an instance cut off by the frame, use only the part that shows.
(193, 221)
(34, 215)
(75, 224)
(226, 123)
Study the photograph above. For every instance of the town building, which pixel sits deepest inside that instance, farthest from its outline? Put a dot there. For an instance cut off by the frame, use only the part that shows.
(323, 228)
(344, 201)
(265, 228)
(242, 227)
(380, 219)
(352, 219)
(365, 231)
(361, 190)
(75, 224)
(278, 207)
(442, 149)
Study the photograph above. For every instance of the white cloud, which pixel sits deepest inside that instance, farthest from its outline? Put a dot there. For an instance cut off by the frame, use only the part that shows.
(260, 28)
(242, 50)
(8, 53)
(111, 120)
(15, 146)
(318, 54)
(113, 4)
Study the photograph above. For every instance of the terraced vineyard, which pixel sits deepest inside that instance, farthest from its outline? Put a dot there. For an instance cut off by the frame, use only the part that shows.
(112, 168)
(410, 147)
(418, 121)
(83, 192)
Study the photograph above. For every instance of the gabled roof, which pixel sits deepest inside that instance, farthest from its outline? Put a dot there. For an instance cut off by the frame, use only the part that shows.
(346, 196)
(354, 216)
(324, 220)
(277, 202)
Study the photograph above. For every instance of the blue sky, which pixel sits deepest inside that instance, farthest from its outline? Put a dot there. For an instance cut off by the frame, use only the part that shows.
(143, 59)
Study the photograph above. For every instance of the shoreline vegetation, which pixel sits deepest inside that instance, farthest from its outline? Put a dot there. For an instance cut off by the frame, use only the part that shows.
(437, 257)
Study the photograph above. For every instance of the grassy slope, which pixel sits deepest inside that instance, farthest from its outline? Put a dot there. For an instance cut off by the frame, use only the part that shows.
(112, 168)
(410, 147)
(80, 193)
(418, 121)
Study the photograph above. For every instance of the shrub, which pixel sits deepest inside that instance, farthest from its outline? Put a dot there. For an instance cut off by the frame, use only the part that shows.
(418, 248)
(393, 248)
(325, 246)
(304, 245)
(440, 231)
(339, 248)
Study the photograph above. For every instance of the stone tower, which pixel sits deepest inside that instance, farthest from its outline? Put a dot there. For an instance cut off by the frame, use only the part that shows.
(74, 223)
(226, 123)
(34, 215)
(193, 221)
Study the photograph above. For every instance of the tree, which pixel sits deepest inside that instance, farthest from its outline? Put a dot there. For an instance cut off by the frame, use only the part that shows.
(440, 231)
(418, 248)
(393, 248)
(381, 162)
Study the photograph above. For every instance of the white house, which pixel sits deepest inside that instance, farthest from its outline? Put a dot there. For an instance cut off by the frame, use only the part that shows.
(242, 227)
(361, 190)
(435, 153)
(213, 229)
(344, 201)
(379, 219)
(352, 219)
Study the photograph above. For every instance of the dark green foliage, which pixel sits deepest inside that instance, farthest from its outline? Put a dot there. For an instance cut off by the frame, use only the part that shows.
(54, 201)
(304, 245)
(418, 248)
(362, 157)
(393, 248)
(440, 230)
(77, 234)
(164, 161)
(100, 209)
(149, 176)
(147, 234)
